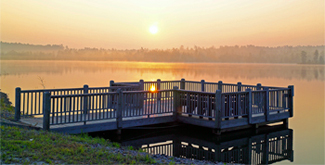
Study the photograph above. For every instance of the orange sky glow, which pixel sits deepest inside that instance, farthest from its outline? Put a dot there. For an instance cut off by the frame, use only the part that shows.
(126, 24)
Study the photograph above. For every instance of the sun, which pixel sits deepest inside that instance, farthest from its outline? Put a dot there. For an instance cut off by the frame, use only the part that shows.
(152, 88)
(153, 29)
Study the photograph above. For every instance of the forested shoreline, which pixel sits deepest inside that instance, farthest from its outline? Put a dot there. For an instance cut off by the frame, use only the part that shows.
(227, 54)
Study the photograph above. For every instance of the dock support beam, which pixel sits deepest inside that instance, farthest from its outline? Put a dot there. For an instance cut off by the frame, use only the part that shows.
(47, 110)
(286, 123)
(17, 104)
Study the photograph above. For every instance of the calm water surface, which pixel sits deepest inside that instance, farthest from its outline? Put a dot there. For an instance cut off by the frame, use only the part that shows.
(307, 123)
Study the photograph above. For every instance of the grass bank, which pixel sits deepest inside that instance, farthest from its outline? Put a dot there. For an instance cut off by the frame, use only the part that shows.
(28, 146)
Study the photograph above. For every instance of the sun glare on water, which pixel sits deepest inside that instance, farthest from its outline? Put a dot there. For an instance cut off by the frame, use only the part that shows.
(153, 29)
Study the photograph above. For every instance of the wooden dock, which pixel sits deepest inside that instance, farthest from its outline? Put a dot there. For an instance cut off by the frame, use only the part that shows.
(219, 106)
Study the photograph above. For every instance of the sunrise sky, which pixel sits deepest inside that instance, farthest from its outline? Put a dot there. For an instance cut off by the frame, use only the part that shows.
(130, 24)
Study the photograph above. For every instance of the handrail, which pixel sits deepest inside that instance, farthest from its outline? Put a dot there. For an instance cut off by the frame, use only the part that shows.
(45, 90)
(84, 94)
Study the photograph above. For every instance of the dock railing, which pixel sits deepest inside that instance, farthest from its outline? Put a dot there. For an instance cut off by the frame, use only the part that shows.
(170, 98)
(76, 108)
(30, 102)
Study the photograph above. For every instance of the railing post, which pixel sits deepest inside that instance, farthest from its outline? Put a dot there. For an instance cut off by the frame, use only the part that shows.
(257, 97)
(290, 99)
(119, 111)
(220, 85)
(158, 88)
(218, 105)
(182, 85)
(202, 85)
(110, 97)
(141, 96)
(239, 86)
(141, 84)
(267, 105)
(175, 102)
(111, 83)
(249, 105)
(46, 110)
(158, 84)
(17, 104)
(85, 111)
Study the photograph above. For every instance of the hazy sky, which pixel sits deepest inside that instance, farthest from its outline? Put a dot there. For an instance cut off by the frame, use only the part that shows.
(126, 23)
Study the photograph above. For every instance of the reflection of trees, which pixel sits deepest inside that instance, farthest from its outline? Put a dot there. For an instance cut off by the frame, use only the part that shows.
(247, 71)
(303, 72)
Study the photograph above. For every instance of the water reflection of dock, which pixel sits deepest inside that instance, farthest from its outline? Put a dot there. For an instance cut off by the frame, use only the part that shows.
(269, 146)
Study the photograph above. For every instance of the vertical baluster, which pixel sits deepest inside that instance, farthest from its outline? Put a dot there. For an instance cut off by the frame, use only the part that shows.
(57, 110)
(38, 102)
(93, 110)
(61, 109)
(27, 104)
(32, 111)
(35, 103)
(65, 108)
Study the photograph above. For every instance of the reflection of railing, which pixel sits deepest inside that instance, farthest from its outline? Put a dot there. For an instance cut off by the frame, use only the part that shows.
(256, 149)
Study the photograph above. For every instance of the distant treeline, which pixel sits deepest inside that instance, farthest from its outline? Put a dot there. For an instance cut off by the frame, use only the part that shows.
(229, 54)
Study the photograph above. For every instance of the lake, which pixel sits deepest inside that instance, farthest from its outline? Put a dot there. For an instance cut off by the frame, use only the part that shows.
(307, 123)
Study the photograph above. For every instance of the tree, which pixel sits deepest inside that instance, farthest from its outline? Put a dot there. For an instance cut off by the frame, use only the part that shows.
(303, 57)
(321, 59)
(316, 57)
